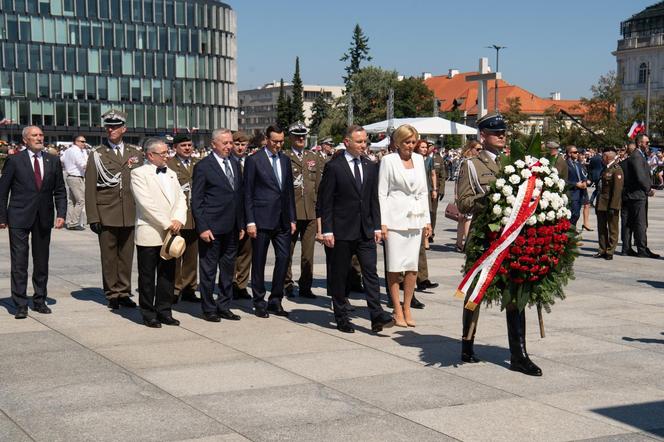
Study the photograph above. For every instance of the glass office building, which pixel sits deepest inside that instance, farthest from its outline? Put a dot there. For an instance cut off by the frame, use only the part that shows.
(169, 64)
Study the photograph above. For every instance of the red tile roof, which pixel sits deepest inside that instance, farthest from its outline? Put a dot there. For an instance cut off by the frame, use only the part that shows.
(457, 93)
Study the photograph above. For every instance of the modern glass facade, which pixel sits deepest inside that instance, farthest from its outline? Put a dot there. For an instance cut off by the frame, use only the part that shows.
(167, 63)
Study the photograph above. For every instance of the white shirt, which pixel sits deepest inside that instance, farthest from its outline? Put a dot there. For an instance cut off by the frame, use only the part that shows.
(351, 163)
(40, 159)
(165, 183)
(75, 160)
(221, 160)
(120, 147)
(269, 157)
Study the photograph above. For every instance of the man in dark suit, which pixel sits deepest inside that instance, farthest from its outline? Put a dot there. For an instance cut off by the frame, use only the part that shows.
(350, 219)
(595, 169)
(217, 206)
(269, 202)
(31, 180)
(577, 182)
(636, 189)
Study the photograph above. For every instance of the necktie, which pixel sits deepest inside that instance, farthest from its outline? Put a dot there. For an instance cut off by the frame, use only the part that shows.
(358, 176)
(229, 173)
(186, 164)
(578, 171)
(38, 176)
(161, 170)
(275, 167)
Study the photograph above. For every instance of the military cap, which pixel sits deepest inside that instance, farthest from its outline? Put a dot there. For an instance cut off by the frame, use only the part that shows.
(492, 122)
(327, 140)
(114, 118)
(298, 129)
(181, 138)
(552, 145)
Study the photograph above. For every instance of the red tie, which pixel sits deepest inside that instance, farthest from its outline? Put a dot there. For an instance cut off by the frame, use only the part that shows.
(38, 176)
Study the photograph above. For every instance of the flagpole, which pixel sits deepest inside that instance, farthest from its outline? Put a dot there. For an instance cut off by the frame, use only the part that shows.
(647, 128)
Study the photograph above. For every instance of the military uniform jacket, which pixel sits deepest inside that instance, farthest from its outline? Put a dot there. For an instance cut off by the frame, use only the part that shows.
(610, 188)
(108, 197)
(561, 166)
(441, 172)
(185, 175)
(475, 176)
(306, 178)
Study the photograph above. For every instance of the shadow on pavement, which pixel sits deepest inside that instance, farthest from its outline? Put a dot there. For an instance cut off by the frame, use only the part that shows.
(8, 304)
(654, 284)
(96, 294)
(646, 416)
(644, 340)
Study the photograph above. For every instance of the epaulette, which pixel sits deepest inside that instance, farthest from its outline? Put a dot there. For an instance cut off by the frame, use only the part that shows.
(94, 149)
(132, 146)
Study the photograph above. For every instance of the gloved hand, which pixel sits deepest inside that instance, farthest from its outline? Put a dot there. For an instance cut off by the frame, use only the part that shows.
(96, 227)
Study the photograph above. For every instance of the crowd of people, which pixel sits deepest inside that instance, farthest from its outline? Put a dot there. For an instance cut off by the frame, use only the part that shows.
(203, 221)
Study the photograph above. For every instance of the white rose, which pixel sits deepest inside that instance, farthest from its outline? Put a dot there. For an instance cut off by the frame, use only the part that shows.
(504, 220)
(495, 197)
(532, 221)
(514, 179)
(548, 182)
(539, 183)
(544, 204)
(560, 213)
(509, 169)
(536, 169)
(507, 211)
(544, 161)
(525, 173)
(561, 184)
(564, 198)
(500, 182)
(568, 213)
(511, 200)
(497, 210)
(536, 192)
(555, 204)
(519, 164)
(507, 190)
(546, 170)
(541, 217)
(550, 215)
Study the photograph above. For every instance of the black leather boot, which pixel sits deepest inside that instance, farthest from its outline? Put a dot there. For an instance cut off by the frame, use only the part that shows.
(467, 353)
(516, 335)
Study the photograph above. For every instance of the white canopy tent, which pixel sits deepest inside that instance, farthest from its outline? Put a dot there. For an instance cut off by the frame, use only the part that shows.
(425, 126)
(378, 145)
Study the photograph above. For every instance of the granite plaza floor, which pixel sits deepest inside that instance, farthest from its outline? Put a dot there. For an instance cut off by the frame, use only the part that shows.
(86, 373)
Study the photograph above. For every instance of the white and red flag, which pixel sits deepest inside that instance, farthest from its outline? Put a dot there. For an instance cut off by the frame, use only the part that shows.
(637, 128)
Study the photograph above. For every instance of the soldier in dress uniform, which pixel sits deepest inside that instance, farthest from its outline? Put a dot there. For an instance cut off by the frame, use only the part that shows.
(307, 170)
(186, 267)
(438, 191)
(110, 207)
(609, 203)
(475, 177)
(243, 261)
(557, 159)
(326, 148)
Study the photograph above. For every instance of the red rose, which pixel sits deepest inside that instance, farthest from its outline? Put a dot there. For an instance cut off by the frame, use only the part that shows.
(531, 231)
(538, 251)
(533, 278)
(530, 250)
(515, 250)
(493, 235)
(514, 265)
(520, 241)
(546, 248)
(544, 259)
(518, 280)
(502, 270)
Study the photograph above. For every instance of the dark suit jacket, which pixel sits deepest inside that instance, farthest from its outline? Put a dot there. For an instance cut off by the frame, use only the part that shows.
(26, 204)
(346, 211)
(637, 177)
(574, 192)
(214, 203)
(265, 204)
(595, 167)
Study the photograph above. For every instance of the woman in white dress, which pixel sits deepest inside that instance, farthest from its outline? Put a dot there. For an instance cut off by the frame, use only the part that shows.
(404, 211)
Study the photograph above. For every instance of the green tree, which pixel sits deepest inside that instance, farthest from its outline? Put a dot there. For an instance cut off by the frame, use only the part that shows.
(334, 124)
(283, 107)
(297, 94)
(370, 90)
(412, 98)
(600, 111)
(453, 141)
(358, 52)
(320, 109)
(515, 118)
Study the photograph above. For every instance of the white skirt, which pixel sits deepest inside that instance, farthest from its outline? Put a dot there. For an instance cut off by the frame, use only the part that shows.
(403, 250)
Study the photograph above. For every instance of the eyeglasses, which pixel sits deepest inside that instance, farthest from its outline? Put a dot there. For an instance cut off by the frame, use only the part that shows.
(161, 154)
(80, 141)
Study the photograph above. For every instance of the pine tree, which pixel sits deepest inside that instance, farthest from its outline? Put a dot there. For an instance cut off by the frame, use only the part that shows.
(358, 52)
(283, 107)
(297, 103)
(288, 116)
(320, 109)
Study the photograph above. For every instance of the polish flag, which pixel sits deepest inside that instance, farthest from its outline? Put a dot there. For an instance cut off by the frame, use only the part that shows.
(637, 128)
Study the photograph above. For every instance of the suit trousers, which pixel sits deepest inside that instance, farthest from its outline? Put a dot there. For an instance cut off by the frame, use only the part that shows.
(154, 300)
(280, 240)
(19, 250)
(341, 263)
(217, 254)
(186, 266)
(575, 208)
(305, 231)
(354, 278)
(625, 228)
(75, 199)
(243, 263)
(116, 246)
(607, 231)
(637, 219)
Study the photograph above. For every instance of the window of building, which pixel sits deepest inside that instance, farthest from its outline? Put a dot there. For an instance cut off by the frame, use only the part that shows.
(92, 9)
(138, 63)
(139, 115)
(5, 84)
(116, 10)
(168, 91)
(102, 88)
(56, 87)
(43, 86)
(105, 61)
(67, 87)
(85, 34)
(180, 66)
(113, 89)
(72, 31)
(35, 59)
(149, 64)
(108, 35)
(137, 11)
(146, 90)
(170, 12)
(179, 13)
(643, 73)
(159, 11)
(124, 89)
(104, 11)
(36, 29)
(79, 88)
(127, 64)
(93, 61)
(161, 117)
(126, 10)
(156, 90)
(135, 89)
(22, 61)
(95, 115)
(148, 11)
(172, 39)
(82, 58)
(71, 59)
(68, 8)
(24, 29)
(119, 36)
(131, 37)
(84, 114)
(91, 86)
(61, 37)
(96, 34)
(140, 37)
(59, 59)
(116, 62)
(31, 85)
(184, 40)
(60, 114)
(80, 9)
(72, 114)
(36, 113)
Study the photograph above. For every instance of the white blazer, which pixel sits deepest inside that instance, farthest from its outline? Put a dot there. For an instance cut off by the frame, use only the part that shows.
(403, 205)
(155, 207)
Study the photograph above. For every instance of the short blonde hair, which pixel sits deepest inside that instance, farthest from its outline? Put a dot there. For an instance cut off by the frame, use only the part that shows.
(403, 132)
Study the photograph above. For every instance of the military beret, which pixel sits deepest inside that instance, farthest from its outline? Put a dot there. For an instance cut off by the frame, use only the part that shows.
(298, 129)
(181, 138)
(492, 122)
(114, 118)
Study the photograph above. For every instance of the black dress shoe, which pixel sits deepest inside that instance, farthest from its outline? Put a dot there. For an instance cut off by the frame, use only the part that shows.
(307, 294)
(41, 308)
(608, 257)
(261, 312)
(349, 306)
(152, 323)
(227, 314)
(415, 303)
(169, 320)
(189, 296)
(384, 321)
(211, 317)
(126, 302)
(21, 312)
(277, 309)
(429, 284)
(598, 255)
(114, 303)
(652, 255)
(345, 327)
(630, 252)
(525, 366)
(470, 358)
(240, 293)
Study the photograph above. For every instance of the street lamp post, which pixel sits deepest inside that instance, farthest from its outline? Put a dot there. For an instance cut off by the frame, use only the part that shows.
(497, 48)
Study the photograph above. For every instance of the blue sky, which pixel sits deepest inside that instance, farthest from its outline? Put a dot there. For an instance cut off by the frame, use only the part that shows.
(558, 45)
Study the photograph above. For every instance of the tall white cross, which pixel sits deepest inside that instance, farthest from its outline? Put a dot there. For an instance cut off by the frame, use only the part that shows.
(483, 78)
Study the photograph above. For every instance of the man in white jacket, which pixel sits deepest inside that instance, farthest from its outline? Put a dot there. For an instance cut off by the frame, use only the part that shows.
(160, 207)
